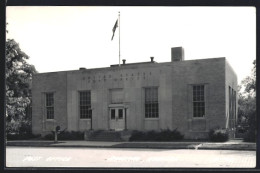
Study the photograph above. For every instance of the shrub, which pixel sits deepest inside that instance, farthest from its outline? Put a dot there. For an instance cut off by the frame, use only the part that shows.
(137, 136)
(251, 132)
(12, 127)
(25, 128)
(218, 135)
(22, 136)
(151, 135)
(168, 135)
(49, 136)
(66, 135)
(73, 135)
(250, 136)
(164, 135)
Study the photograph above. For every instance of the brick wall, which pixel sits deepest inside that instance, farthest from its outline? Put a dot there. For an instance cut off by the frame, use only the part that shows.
(211, 74)
(49, 82)
(173, 79)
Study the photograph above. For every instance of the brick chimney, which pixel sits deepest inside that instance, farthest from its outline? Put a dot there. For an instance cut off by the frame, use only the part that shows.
(177, 54)
(123, 61)
(152, 59)
(82, 68)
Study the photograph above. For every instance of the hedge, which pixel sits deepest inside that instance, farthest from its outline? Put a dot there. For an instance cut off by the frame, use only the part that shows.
(22, 136)
(218, 135)
(66, 135)
(163, 135)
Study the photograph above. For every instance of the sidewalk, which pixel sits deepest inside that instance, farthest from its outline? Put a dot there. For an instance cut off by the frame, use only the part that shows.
(230, 145)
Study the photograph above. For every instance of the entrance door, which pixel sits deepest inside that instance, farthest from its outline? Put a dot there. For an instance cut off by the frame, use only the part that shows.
(117, 119)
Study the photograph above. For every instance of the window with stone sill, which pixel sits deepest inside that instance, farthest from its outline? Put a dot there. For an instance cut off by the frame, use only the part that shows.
(85, 104)
(198, 101)
(49, 105)
(151, 102)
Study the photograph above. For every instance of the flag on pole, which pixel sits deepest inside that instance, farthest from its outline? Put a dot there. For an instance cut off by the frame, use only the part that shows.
(114, 29)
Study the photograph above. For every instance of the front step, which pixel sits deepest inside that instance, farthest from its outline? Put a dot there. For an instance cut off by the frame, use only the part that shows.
(105, 136)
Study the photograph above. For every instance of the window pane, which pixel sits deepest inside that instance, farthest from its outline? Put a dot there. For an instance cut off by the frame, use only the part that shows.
(50, 112)
(120, 113)
(49, 99)
(113, 114)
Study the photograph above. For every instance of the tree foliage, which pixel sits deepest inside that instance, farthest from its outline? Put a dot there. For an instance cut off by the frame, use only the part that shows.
(18, 75)
(250, 82)
(247, 105)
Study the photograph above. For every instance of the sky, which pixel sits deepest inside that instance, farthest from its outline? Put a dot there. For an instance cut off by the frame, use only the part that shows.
(65, 38)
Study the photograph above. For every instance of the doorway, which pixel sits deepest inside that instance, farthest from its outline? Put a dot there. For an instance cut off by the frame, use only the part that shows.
(117, 118)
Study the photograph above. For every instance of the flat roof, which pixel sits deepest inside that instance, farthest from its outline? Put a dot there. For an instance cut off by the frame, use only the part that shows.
(133, 65)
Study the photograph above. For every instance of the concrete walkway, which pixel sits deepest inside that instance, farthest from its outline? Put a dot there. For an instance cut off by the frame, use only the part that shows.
(230, 145)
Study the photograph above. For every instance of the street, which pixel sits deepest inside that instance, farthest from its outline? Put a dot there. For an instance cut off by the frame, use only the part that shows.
(114, 157)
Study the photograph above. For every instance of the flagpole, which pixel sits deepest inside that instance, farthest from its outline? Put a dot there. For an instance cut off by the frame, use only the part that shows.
(119, 34)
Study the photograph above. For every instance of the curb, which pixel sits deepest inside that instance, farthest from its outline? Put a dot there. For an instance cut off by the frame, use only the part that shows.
(131, 145)
(240, 149)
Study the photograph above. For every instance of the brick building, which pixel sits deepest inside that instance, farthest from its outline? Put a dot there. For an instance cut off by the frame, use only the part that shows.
(193, 96)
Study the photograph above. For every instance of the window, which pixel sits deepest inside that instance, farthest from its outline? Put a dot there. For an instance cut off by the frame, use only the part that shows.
(120, 113)
(85, 104)
(198, 101)
(49, 103)
(113, 114)
(230, 103)
(232, 106)
(235, 102)
(151, 103)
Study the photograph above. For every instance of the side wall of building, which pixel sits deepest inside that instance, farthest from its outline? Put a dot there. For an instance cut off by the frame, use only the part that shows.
(49, 83)
(231, 99)
(186, 74)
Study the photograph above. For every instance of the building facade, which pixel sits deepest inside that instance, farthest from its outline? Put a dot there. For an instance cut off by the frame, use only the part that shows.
(193, 96)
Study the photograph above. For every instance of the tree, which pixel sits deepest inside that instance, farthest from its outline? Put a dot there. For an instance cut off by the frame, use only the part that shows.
(18, 75)
(247, 105)
(250, 82)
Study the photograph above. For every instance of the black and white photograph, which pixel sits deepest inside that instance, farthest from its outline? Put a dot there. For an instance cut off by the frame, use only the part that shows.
(130, 87)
